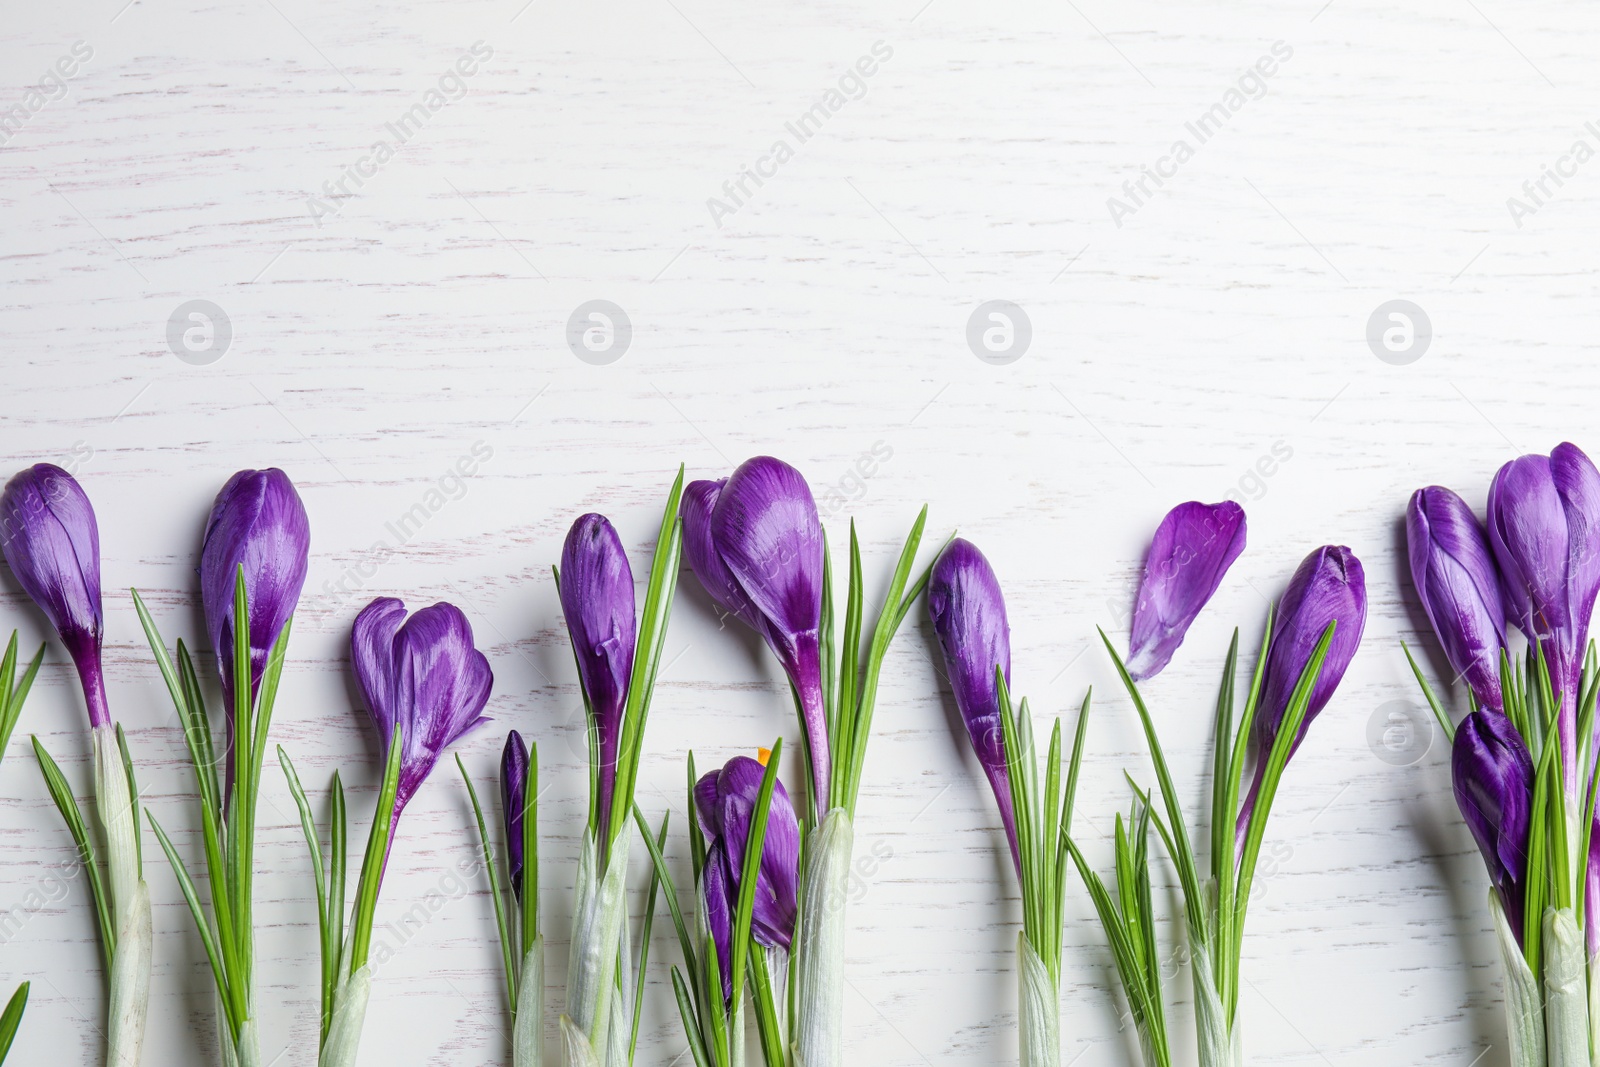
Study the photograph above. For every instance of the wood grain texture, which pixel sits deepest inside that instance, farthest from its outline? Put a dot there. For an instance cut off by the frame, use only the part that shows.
(825, 316)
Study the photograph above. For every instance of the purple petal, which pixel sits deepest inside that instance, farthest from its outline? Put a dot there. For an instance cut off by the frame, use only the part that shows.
(718, 891)
(52, 544)
(765, 528)
(513, 799)
(700, 548)
(778, 879)
(1192, 549)
(422, 675)
(1493, 778)
(1456, 579)
(1544, 526)
(969, 617)
(597, 602)
(257, 523)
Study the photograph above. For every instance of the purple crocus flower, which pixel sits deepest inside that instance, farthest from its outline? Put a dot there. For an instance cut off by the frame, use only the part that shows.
(423, 674)
(725, 801)
(1193, 548)
(52, 544)
(513, 799)
(1460, 589)
(969, 617)
(1328, 586)
(597, 602)
(1544, 525)
(257, 523)
(755, 541)
(1493, 776)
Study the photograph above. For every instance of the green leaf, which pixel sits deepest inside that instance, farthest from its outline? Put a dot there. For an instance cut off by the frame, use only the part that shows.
(377, 849)
(61, 793)
(691, 1027)
(11, 1018)
(192, 898)
(644, 939)
(329, 954)
(493, 871)
(652, 636)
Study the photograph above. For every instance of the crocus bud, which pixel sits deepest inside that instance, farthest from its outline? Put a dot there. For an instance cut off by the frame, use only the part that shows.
(513, 799)
(969, 618)
(597, 602)
(257, 523)
(52, 544)
(763, 560)
(1193, 548)
(1328, 586)
(1493, 776)
(1544, 514)
(1460, 589)
(725, 801)
(421, 673)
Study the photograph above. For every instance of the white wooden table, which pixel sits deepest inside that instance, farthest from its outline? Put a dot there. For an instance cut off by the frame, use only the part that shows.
(382, 332)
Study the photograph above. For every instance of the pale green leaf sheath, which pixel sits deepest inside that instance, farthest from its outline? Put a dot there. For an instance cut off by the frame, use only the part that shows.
(130, 904)
(527, 1029)
(1038, 1009)
(1524, 1010)
(819, 956)
(349, 1013)
(597, 927)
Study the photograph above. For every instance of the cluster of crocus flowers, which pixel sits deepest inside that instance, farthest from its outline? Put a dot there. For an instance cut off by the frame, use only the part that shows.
(1310, 641)
(618, 656)
(252, 566)
(756, 542)
(425, 685)
(1523, 759)
(52, 544)
(745, 846)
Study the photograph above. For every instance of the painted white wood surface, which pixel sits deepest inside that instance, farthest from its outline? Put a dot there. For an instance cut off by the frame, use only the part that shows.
(374, 347)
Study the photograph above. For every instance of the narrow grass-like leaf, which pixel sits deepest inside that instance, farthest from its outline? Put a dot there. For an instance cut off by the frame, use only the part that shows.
(656, 878)
(192, 898)
(493, 872)
(67, 804)
(11, 1018)
(377, 849)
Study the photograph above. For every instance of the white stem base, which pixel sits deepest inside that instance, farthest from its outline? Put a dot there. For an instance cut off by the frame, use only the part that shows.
(819, 952)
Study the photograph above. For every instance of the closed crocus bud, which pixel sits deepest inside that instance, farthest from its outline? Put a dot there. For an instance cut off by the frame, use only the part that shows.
(1544, 515)
(1456, 579)
(422, 674)
(1193, 548)
(597, 602)
(52, 544)
(969, 618)
(1493, 776)
(513, 799)
(1329, 586)
(725, 801)
(257, 523)
(761, 556)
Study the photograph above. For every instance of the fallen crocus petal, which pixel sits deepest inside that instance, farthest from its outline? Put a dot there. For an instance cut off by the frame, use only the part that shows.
(1192, 549)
